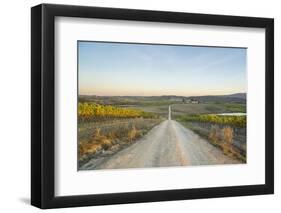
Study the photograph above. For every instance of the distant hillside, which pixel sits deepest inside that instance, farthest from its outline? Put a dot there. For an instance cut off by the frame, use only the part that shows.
(160, 100)
(238, 95)
(132, 100)
(234, 98)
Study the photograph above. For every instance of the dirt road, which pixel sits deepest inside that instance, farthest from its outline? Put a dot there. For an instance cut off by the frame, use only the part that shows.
(167, 144)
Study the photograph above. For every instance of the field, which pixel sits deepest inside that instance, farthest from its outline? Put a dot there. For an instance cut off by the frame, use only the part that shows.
(107, 125)
(235, 121)
(208, 108)
(102, 138)
(105, 129)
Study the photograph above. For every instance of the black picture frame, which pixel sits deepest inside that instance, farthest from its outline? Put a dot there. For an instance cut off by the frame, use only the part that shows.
(43, 102)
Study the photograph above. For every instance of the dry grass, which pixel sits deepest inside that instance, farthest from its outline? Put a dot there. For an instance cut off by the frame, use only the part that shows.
(88, 148)
(215, 134)
(223, 138)
(227, 133)
(132, 134)
(111, 136)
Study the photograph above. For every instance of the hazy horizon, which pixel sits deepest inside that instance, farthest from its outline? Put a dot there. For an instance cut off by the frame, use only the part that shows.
(125, 69)
(157, 95)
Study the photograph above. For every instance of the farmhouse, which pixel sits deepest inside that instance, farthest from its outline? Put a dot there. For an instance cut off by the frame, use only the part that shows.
(191, 101)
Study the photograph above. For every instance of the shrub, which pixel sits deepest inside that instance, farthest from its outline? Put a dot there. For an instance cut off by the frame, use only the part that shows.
(223, 138)
(227, 140)
(227, 135)
(214, 134)
(132, 134)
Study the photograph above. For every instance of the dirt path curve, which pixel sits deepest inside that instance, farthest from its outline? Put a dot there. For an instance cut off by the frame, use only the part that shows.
(167, 144)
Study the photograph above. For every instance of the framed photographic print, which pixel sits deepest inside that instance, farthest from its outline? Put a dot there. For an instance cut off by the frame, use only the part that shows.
(139, 106)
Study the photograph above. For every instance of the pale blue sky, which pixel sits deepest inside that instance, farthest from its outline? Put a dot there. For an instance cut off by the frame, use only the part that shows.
(141, 69)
